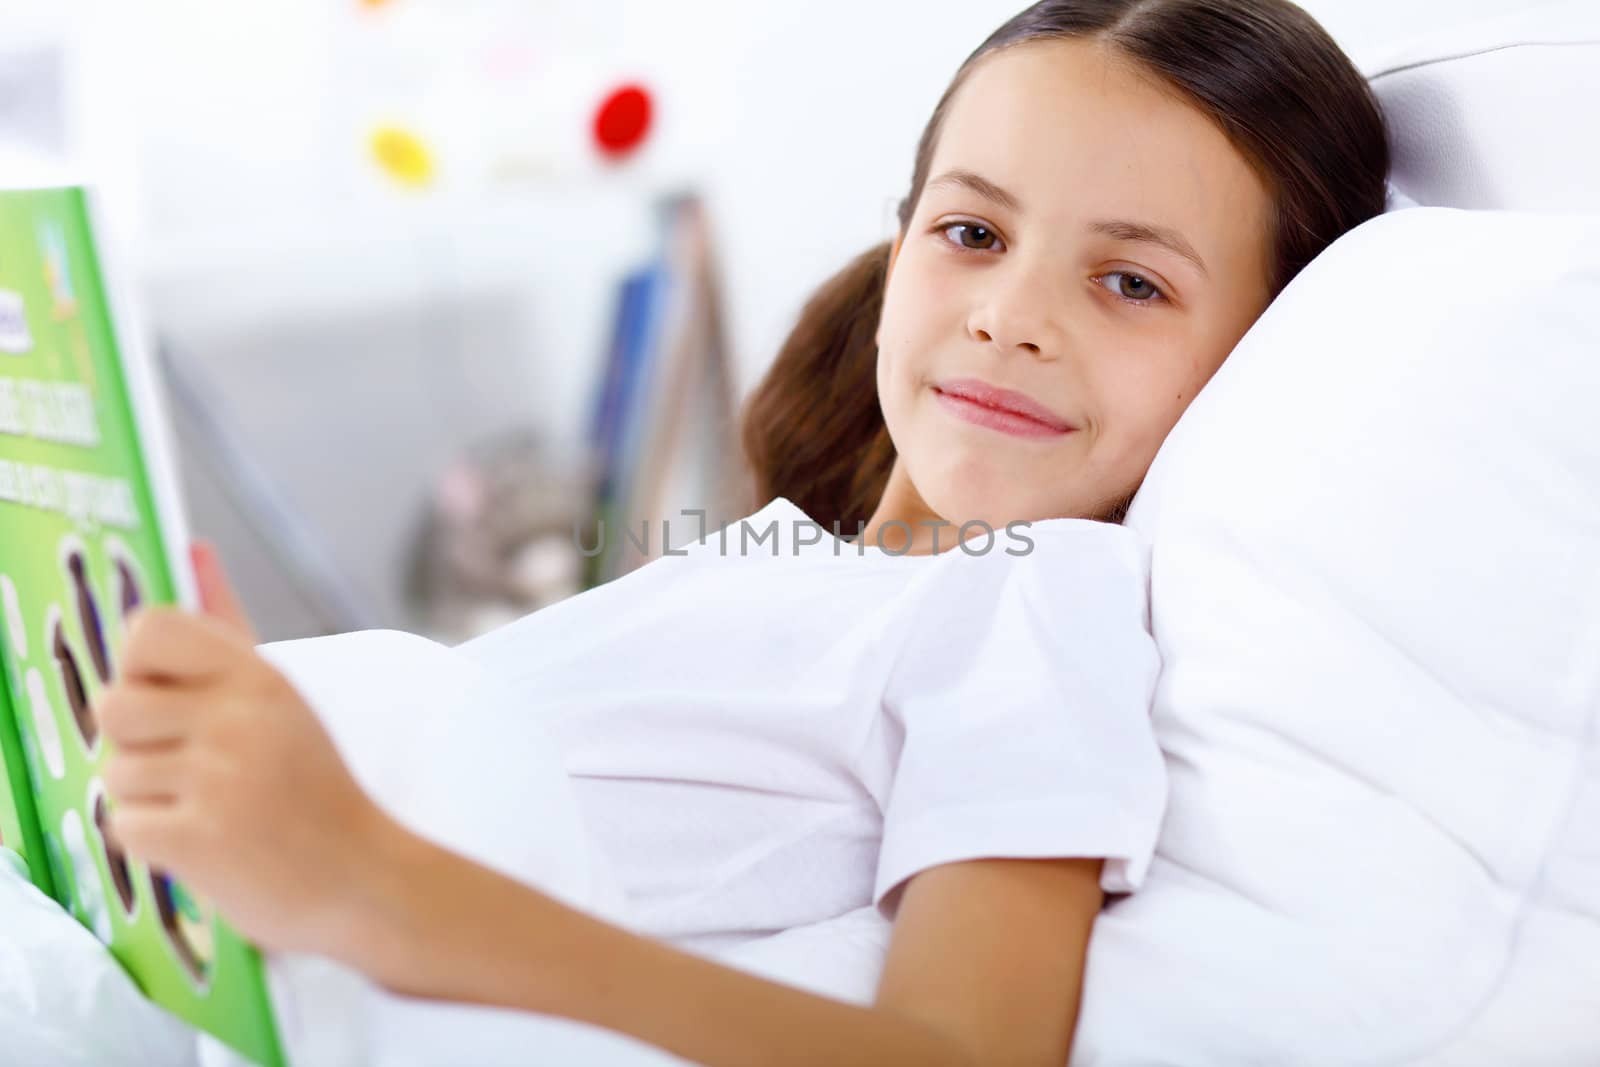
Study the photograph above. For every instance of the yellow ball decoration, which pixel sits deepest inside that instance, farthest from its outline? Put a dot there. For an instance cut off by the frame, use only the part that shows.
(403, 156)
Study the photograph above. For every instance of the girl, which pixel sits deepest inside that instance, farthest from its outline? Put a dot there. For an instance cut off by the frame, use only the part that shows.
(931, 721)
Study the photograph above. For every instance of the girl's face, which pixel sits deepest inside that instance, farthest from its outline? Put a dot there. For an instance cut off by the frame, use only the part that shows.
(1085, 239)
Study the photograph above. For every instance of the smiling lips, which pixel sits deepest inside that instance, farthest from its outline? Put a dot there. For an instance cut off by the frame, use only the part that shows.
(1000, 409)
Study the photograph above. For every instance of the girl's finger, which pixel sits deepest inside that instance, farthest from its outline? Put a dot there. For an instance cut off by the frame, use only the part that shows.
(137, 714)
(152, 833)
(152, 777)
(217, 596)
(174, 645)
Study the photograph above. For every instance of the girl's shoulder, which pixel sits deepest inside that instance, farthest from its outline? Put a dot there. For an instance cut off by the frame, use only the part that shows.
(1075, 544)
(1065, 585)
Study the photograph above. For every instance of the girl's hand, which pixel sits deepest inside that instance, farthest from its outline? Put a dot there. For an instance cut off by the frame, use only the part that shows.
(222, 776)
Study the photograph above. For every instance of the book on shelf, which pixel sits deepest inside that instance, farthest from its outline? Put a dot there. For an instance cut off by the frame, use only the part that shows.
(673, 443)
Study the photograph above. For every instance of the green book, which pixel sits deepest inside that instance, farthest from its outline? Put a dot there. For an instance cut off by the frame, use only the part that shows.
(91, 526)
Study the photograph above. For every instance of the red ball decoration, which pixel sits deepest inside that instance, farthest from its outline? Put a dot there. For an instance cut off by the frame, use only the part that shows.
(623, 120)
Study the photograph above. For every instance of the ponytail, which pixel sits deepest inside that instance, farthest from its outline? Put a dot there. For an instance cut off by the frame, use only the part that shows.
(812, 429)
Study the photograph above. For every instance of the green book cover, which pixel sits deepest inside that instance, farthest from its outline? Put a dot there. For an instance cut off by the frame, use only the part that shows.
(90, 528)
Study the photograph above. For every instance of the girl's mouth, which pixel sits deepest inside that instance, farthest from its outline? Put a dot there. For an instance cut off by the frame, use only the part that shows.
(999, 409)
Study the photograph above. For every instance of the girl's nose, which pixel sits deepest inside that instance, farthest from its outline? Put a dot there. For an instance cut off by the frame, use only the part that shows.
(1020, 313)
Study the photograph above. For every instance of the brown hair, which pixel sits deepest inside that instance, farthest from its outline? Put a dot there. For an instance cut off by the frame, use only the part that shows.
(1271, 78)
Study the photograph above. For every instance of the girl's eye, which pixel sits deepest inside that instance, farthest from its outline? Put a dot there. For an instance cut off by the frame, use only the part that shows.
(976, 232)
(1134, 288)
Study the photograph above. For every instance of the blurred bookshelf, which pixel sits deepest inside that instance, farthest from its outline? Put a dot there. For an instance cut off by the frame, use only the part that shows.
(399, 428)
(404, 406)
(664, 432)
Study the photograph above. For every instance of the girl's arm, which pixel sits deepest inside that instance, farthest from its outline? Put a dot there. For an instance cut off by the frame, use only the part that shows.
(985, 965)
(221, 775)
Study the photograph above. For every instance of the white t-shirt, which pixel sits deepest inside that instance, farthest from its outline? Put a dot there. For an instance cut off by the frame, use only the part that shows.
(772, 731)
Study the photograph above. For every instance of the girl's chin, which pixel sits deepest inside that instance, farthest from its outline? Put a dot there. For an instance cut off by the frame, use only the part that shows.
(972, 489)
(976, 482)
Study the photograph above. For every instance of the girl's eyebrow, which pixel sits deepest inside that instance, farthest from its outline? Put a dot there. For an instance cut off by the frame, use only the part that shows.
(977, 183)
(1162, 236)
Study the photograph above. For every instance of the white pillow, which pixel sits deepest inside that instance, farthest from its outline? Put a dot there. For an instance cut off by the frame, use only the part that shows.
(1498, 113)
(1376, 590)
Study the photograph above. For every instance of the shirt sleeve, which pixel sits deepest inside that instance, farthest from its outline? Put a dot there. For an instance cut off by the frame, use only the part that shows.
(1020, 701)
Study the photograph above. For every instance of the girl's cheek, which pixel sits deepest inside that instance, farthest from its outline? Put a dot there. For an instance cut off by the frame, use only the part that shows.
(892, 385)
(894, 360)
(885, 372)
(939, 288)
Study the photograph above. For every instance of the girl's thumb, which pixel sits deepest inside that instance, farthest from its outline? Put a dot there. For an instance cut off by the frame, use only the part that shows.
(217, 597)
